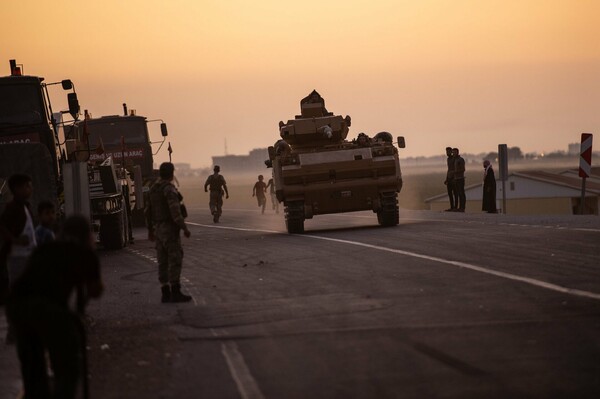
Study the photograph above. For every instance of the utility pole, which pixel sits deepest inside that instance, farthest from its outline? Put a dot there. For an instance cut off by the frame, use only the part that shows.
(503, 169)
(585, 165)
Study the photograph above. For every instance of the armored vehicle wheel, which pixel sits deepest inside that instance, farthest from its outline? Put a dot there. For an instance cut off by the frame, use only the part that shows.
(294, 217)
(389, 215)
(295, 226)
(113, 230)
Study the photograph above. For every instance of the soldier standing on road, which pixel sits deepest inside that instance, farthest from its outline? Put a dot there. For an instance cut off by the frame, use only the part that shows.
(259, 190)
(459, 179)
(217, 187)
(274, 201)
(164, 219)
(449, 182)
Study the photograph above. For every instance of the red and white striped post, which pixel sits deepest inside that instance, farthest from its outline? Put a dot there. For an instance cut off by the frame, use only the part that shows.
(585, 165)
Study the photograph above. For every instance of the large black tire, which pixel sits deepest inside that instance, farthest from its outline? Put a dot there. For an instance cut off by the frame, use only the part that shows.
(294, 217)
(138, 219)
(389, 214)
(113, 230)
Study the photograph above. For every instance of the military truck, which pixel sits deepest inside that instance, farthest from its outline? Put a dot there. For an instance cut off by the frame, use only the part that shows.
(29, 140)
(317, 171)
(31, 143)
(126, 139)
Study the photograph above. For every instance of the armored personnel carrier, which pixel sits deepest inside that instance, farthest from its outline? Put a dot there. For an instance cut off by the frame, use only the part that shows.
(317, 171)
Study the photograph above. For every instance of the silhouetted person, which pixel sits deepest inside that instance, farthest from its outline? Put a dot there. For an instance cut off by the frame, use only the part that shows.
(16, 226)
(363, 140)
(489, 188)
(259, 190)
(38, 308)
(459, 179)
(217, 185)
(449, 182)
(17, 235)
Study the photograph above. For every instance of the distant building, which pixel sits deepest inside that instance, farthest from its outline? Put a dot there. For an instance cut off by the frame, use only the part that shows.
(533, 193)
(251, 163)
(182, 166)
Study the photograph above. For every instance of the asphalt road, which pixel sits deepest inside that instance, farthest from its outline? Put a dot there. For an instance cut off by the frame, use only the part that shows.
(441, 306)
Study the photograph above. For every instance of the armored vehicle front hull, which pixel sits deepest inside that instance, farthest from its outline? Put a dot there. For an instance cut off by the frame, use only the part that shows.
(317, 171)
(346, 179)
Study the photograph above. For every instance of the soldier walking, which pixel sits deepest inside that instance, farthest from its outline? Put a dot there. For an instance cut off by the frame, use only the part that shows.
(164, 219)
(217, 185)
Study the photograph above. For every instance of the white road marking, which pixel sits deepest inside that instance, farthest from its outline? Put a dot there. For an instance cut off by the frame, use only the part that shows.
(214, 226)
(245, 382)
(413, 219)
(509, 276)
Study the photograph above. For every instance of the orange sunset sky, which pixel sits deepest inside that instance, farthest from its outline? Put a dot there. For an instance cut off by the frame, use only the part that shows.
(470, 74)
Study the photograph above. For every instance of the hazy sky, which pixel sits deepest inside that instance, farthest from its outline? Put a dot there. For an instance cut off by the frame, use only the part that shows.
(470, 74)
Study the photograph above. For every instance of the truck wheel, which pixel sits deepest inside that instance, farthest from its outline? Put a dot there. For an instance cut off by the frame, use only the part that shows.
(294, 217)
(137, 218)
(389, 214)
(113, 230)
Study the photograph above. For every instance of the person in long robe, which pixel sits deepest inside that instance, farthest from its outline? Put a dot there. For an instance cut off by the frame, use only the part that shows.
(489, 188)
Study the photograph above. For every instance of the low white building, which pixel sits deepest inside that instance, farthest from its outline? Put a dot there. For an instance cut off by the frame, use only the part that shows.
(532, 193)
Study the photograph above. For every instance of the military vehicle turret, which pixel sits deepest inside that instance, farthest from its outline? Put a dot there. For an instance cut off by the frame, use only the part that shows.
(317, 171)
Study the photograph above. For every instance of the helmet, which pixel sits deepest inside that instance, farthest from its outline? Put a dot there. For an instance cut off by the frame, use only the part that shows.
(384, 136)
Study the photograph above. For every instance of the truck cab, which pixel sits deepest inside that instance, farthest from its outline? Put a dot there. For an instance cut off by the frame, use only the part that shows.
(29, 130)
(126, 140)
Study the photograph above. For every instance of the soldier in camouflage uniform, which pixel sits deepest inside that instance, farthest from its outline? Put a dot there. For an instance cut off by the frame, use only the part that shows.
(164, 219)
(217, 186)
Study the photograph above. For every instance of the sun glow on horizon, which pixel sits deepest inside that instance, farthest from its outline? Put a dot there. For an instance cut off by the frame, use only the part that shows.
(470, 74)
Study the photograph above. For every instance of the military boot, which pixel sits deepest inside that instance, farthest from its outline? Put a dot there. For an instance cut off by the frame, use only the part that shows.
(166, 293)
(177, 295)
